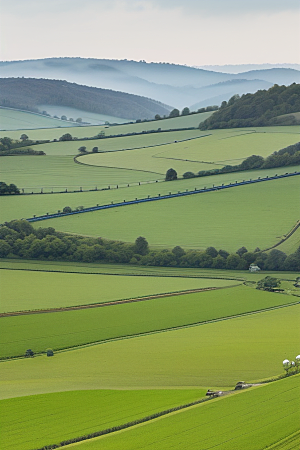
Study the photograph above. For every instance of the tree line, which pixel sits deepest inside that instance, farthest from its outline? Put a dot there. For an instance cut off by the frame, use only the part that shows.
(19, 239)
(288, 156)
(256, 110)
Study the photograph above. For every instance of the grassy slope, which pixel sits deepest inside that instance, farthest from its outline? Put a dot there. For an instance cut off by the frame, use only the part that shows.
(21, 290)
(177, 122)
(250, 420)
(76, 413)
(215, 354)
(11, 119)
(220, 148)
(126, 142)
(57, 330)
(291, 244)
(251, 215)
(62, 172)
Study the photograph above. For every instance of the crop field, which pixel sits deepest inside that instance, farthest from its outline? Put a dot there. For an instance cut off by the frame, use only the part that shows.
(26, 206)
(21, 290)
(249, 420)
(90, 131)
(234, 218)
(56, 329)
(207, 152)
(12, 119)
(127, 269)
(65, 148)
(215, 354)
(76, 413)
(60, 172)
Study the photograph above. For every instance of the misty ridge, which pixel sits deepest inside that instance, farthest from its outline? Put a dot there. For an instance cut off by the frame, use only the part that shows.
(173, 85)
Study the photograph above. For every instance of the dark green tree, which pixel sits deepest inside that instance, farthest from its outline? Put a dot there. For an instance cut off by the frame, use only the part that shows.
(66, 137)
(23, 137)
(174, 113)
(171, 175)
(95, 149)
(141, 246)
(82, 149)
(185, 111)
(67, 209)
(268, 283)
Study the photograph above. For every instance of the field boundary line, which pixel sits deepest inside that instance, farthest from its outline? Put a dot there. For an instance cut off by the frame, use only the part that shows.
(113, 302)
(162, 197)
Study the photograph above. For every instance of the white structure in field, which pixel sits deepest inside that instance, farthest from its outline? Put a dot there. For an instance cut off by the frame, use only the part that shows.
(254, 268)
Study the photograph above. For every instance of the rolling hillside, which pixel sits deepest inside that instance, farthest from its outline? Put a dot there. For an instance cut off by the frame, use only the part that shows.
(29, 93)
(172, 84)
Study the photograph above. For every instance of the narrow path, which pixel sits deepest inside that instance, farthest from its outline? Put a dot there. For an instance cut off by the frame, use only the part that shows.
(287, 236)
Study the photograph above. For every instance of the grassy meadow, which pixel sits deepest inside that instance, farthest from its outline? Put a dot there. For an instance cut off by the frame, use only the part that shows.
(76, 413)
(211, 355)
(12, 121)
(21, 290)
(53, 176)
(252, 420)
(209, 151)
(56, 329)
(119, 363)
(242, 216)
(90, 131)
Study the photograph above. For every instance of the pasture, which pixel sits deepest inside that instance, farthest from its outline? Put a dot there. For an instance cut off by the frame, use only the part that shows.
(76, 413)
(249, 215)
(56, 329)
(127, 269)
(13, 120)
(90, 131)
(25, 290)
(65, 148)
(207, 152)
(253, 420)
(215, 354)
(72, 176)
(86, 116)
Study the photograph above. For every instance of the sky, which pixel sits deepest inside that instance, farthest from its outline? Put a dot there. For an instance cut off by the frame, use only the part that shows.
(191, 32)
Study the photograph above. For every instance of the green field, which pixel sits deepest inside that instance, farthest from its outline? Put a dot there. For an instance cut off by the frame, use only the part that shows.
(66, 148)
(251, 420)
(81, 132)
(25, 290)
(209, 151)
(291, 244)
(214, 354)
(128, 269)
(74, 176)
(227, 219)
(12, 121)
(57, 329)
(76, 413)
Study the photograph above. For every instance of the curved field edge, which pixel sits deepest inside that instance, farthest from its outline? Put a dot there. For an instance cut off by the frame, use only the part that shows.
(21, 289)
(216, 354)
(250, 419)
(233, 218)
(69, 329)
(74, 413)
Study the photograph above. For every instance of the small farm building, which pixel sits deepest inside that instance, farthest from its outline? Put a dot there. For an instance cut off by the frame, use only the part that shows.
(254, 268)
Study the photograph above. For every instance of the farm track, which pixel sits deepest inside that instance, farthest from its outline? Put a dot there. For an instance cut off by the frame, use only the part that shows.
(112, 303)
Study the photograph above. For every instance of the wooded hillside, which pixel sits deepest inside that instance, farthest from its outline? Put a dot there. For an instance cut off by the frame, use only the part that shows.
(29, 93)
(259, 109)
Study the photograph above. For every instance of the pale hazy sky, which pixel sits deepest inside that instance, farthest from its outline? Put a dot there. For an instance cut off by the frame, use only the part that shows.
(192, 32)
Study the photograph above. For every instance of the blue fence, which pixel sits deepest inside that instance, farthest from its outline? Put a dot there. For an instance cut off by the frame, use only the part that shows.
(161, 197)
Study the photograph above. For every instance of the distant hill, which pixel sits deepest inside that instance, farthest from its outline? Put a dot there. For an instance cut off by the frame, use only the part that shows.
(29, 93)
(171, 84)
(260, 109)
